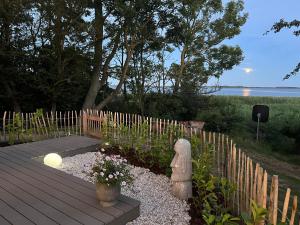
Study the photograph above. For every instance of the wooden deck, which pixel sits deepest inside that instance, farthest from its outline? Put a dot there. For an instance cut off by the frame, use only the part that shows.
(32, 193)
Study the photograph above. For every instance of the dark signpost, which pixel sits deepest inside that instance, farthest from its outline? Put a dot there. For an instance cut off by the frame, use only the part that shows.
(260, 114)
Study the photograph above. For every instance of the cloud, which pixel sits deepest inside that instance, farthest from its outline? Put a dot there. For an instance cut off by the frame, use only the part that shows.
(248, 70)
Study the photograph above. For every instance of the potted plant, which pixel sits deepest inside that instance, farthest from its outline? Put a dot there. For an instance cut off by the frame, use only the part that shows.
(110, 173)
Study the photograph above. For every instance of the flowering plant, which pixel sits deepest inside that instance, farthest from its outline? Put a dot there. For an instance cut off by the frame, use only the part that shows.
(111, 170)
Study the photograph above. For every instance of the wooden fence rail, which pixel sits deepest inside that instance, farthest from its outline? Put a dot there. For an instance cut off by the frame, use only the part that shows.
(253, 182)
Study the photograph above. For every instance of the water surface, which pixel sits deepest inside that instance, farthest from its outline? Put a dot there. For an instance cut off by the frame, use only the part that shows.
(266, 91)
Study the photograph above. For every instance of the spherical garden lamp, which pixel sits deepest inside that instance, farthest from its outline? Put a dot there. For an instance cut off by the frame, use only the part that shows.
(53, 160)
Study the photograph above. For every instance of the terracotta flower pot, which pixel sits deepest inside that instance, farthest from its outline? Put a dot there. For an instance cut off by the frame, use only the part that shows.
(108, 195)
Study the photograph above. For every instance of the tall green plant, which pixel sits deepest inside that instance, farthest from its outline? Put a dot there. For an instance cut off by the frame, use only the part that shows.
(212, 192)
(15, 129)
(258, 214)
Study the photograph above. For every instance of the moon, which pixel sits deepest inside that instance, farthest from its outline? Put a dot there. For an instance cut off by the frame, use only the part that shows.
(248, 70)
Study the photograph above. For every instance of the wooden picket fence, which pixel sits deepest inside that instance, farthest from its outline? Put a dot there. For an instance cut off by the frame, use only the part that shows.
(252, 181)
(25, 127)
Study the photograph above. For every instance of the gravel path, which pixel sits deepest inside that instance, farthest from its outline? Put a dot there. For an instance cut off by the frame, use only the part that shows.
(158, 206)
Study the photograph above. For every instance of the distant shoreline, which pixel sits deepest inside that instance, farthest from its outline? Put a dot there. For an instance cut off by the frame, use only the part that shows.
(257, 91)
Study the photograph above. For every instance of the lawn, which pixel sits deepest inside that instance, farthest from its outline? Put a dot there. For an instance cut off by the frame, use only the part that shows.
(279, 137)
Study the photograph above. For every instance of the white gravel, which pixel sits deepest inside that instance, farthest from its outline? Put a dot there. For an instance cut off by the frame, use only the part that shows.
(158, 206)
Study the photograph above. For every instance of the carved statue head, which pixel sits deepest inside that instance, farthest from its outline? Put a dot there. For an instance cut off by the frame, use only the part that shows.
(182, 162)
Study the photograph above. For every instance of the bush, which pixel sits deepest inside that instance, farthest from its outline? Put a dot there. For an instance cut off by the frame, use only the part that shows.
(166, 106)
(212, 193)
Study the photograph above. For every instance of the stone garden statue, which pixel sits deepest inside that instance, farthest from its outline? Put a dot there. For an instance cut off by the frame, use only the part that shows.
(182, 170)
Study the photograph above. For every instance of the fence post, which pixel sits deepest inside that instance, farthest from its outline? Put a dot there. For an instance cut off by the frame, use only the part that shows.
(273, 200)
(84, 123)
(4, 125)
(294, 209)
(286, 205)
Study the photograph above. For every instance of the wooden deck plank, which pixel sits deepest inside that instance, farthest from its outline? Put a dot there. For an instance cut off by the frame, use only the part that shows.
(12, 215)
(25, 209)
(59, 145)
(44, 188)
(47, 194)
(83, 187)
(15, 155)
(58, 204)
(63, 185)
(11, 183)
(3, 221)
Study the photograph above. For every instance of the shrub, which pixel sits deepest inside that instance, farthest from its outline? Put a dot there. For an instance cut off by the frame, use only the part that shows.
(212, 192)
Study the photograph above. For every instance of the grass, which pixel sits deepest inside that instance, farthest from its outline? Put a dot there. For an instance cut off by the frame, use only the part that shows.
(279, 137)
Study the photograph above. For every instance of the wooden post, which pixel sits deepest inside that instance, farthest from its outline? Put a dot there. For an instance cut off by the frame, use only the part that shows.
(238, 189)
(31, 126)
(254, 195)
(265, 190)
(241, 180)
(76, 123)
(294, 209)
(22, 126)
(234, 178)
(84, 123)
(80, 122)
(45, 126)
(4, 125)
(160, 128)
(218, 155)
(286, 205)
(247, 189)
(251, 183)
(223, 158)
(65, 126)
(72, 122)
(26, 127)
(259, 185)
(50, 126)
(273, 207)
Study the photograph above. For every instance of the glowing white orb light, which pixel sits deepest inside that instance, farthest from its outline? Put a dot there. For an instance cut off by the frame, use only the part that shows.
(53, 160)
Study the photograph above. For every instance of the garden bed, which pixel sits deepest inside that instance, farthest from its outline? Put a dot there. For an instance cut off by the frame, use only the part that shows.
(152, 187)
(158, 206)
(210, 193)
(158, 169)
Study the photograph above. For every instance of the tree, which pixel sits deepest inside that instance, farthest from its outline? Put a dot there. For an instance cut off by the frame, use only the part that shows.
(58, 53)
(198, 29)
(58, 38)
(116, 27)
(277, 27)
(14, 39)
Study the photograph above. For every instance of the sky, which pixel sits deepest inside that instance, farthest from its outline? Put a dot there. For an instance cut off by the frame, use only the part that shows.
(267, 57)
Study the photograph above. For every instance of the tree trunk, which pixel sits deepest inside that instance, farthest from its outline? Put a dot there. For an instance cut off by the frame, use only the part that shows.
(110, 97)
(90, 98)
(179, 75)
(143, 77)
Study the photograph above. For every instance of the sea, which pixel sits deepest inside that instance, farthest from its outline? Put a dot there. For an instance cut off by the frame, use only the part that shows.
(259, 91)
